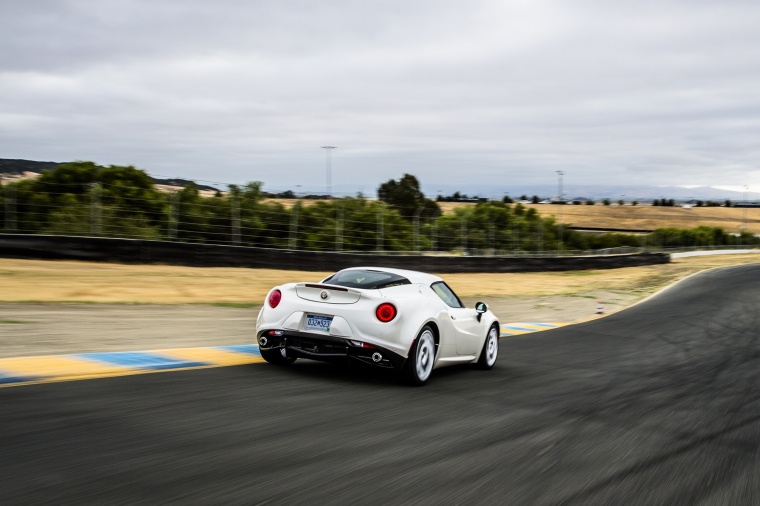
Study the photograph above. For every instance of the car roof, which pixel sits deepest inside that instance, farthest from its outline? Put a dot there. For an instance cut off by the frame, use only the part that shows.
(415, 277)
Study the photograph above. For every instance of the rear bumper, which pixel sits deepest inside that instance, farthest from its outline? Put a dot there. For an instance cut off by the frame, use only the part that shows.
(327, 348)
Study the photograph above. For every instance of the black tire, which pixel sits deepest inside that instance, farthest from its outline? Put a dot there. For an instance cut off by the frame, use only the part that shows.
(490, 351)
(419, 364)
(275, 357)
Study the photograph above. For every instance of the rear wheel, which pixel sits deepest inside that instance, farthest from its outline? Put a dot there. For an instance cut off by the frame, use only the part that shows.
(277, 356)
(419, 364)
(490, 351)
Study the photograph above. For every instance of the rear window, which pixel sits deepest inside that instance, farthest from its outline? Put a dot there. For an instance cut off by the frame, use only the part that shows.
(360, 278)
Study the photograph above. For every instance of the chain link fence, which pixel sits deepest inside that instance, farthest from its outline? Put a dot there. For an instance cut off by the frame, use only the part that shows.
(242, 216)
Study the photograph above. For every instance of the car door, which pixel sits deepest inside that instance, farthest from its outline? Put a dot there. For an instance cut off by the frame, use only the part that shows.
(467, 328)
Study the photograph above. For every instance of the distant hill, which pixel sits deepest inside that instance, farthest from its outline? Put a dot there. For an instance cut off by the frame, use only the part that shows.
(594, 192)
(15, 168)
(182, 183)
(18, 167)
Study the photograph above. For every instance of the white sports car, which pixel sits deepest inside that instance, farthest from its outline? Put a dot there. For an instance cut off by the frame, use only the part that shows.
(391, 318)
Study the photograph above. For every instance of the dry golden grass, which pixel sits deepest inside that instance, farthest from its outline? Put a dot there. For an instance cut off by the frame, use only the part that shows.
(67, 281)
(643, 217)
(647, 217)
(288, 203)
(82, 282)
(628, 217)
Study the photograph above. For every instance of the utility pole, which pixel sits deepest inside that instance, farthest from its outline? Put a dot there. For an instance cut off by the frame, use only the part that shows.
(328, 168)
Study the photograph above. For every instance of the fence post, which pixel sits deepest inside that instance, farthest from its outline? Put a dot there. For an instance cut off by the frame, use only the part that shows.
(293, 240)
(10, 208)
(96, 215)
(174, 215)
(464, 232)
(235, 203)
(516, 235)
(491, 235)
(434, 233)
(380, 227)
(416, 230)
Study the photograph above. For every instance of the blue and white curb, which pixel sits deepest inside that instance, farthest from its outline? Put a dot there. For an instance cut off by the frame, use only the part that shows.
(42, 369)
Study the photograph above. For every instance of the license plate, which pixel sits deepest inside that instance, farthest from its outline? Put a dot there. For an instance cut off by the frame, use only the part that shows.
(318, 323)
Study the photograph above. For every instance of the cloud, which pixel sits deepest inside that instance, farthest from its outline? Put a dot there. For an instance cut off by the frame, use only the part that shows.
(505, 91)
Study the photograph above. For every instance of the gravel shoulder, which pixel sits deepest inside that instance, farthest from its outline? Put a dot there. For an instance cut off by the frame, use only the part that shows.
(28, 329)
(54, 329)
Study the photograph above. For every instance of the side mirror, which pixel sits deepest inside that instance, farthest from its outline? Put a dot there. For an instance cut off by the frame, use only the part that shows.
(480, 308)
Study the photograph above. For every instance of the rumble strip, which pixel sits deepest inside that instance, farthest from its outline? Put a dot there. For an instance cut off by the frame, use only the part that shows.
(50, 368)
(25, 370)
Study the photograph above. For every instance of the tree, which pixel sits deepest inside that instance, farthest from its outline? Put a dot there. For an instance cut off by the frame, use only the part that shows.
(80, 197)
(68, 178)
(353, 224)
(406, 197)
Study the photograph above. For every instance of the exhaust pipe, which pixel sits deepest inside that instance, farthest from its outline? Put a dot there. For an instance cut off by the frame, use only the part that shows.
(263, 341)
(376, 357)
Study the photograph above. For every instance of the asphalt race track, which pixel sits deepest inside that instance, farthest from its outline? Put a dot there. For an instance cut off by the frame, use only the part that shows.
(658, 404)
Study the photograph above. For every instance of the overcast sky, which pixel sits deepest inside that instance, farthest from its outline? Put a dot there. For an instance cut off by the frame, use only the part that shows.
(504, 92)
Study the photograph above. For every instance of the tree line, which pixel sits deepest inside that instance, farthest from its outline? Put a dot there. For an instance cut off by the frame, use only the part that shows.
(85, 199)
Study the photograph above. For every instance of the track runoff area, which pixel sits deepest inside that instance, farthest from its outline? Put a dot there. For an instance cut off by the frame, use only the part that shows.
(43, 369)
(51, 368)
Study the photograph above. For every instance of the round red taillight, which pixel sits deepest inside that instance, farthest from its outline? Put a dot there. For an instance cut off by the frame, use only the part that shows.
(385, 312)
(274, 298)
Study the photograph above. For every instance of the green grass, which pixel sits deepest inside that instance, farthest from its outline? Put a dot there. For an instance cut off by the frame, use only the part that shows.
(8, 320)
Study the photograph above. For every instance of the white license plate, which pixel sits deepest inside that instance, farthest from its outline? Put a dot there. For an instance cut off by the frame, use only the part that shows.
(318, 323)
